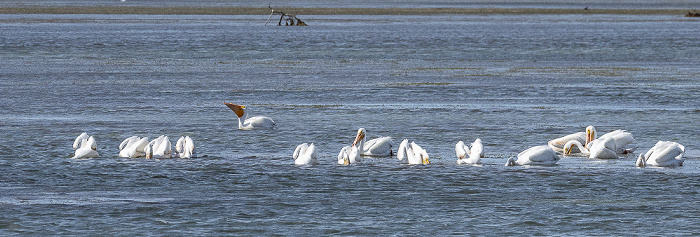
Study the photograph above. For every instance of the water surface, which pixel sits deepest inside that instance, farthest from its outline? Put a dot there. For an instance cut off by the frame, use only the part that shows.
(513, 81)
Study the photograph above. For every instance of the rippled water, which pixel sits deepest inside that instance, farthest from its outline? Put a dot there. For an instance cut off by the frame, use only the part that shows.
(593, 4)
(513, 81)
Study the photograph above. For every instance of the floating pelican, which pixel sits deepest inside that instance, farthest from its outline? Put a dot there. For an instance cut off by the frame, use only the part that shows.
(159, 148)
(623, 140)
(85, 147)
(133, 147)
(663, 154)
(184, 147)
(376, 147)
(245, 123)
(475, 153)
(413, 153)
(349, 155)
(558, 143)
(599, 149)
(539, 155)
(305, 154)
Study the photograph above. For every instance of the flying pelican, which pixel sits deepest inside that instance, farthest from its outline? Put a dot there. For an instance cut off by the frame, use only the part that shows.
(305, 154)
(413, 153)
(85, 147)
(245, 123)
(475, 153)
(184, 147)
(159, 148)
(539, 155)
(558, 143)
(623, 139)
(133, 147)
(349, 155)
(375, 147)
(600, 149)
(663, 154)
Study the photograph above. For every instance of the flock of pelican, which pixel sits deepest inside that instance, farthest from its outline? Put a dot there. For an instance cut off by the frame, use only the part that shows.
(587, 143)
(135, 147)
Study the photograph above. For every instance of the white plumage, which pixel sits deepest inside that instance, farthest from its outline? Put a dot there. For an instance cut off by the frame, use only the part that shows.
(305, 154)
(539, 155)
(663, 154)
(413, 153)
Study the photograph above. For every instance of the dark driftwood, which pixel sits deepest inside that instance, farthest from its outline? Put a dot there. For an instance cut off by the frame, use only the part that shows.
(289, 19)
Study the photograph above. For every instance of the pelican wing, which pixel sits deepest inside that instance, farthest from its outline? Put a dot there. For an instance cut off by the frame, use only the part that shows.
(259, 122)
(80, 140)
(378, 147)
(180, 145)
(128, 141)
(666, 154)
(402, 153)
(141, 144)
(420, 155)
(539, 154)
(85, 152)
(313, 153)
(301, 149)
(189, 146)
(477, 148)
(461, 150)
(603, 149)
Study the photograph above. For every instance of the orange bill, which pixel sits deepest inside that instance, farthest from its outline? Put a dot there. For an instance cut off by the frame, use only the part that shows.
(238, 109)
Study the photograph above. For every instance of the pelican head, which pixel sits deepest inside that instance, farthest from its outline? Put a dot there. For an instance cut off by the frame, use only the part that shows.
(360, 136)
(149, 150)
(510, 162)
(590, 134)
(344, 156)
(640, 161)
(238, 109)
(568, 147)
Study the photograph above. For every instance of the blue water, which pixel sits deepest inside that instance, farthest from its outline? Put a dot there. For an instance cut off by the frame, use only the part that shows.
(513, 81)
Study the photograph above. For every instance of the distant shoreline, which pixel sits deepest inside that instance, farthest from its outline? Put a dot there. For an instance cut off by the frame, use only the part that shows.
(328, 11)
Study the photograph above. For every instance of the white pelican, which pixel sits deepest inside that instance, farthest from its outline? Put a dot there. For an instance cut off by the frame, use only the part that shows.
(539, 155)
(85, 146)
(349, 155)
(245, 123)
(663, 154)
(600, 149)
(413, 153)
(305, 154)
(623, 140)
(159, 148)
(184, 147)
(475, 153)
(558, 143)
(375, 147)
(133, 147)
